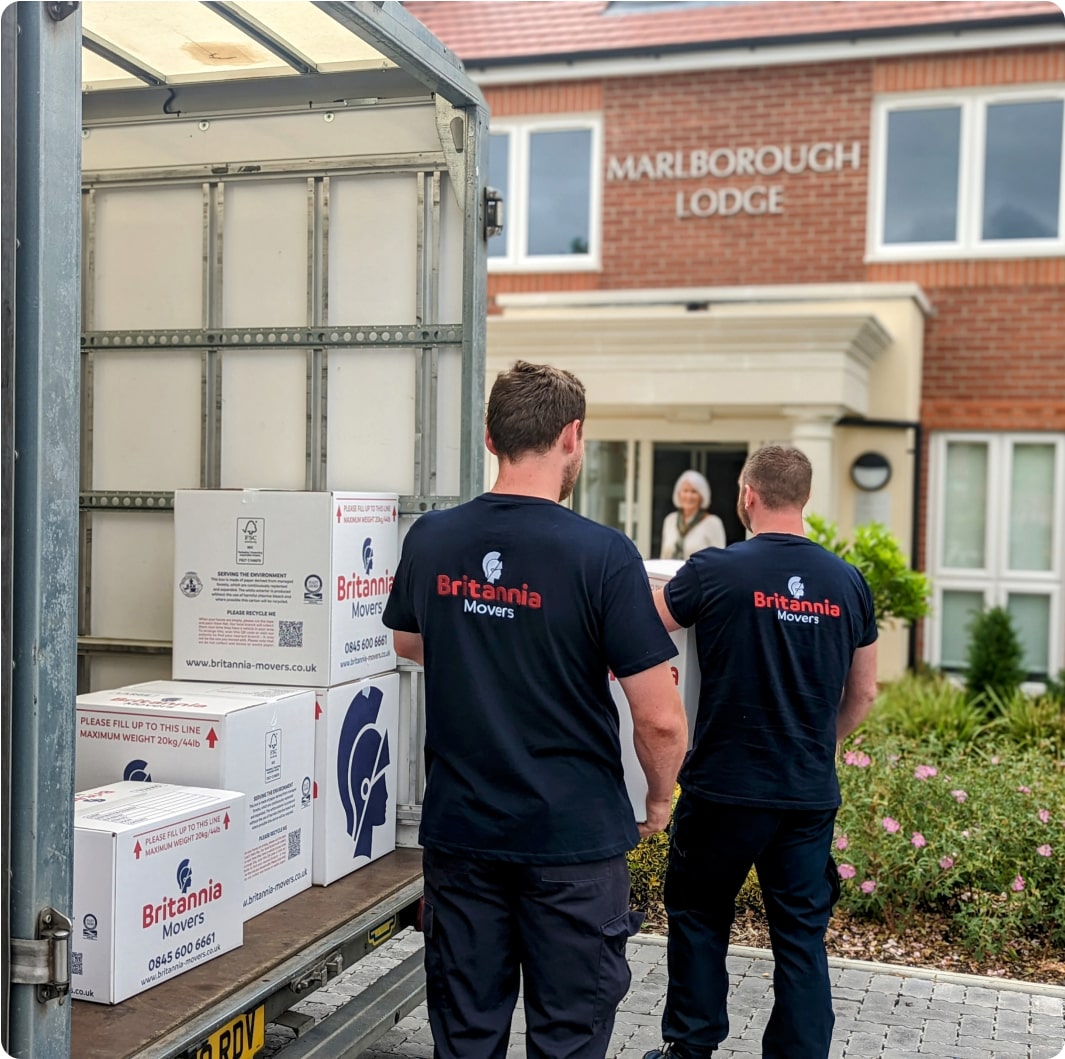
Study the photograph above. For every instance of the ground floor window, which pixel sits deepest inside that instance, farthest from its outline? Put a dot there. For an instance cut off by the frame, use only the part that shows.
(998, 539)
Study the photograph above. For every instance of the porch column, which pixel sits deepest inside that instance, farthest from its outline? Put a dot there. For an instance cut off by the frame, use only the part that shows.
(813, 431)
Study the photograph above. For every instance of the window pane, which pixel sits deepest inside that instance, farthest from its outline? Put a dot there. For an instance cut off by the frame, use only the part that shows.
(560, 169)
(1032, 508)
(958, 609)
(921, 183)
(499, 178)
(1031, 618)
(1022, 171)
(965, 505)
(600, 492)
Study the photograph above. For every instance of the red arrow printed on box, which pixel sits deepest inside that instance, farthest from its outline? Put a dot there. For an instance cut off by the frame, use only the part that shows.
(212, 738)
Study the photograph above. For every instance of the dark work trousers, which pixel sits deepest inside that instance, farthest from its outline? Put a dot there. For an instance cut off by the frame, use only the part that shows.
(712, 850)
(563, 928)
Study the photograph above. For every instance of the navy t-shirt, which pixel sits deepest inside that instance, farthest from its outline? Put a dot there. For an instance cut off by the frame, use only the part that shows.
(777, 621)
(523, 607)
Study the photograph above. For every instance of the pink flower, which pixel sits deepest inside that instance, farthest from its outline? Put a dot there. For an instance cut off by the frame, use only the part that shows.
(891, 825)
(846, 871)
(842, 842)
(1044, 816)
(965, 833)
(859, 740)
(868, 886)
(857, 758)
(959, 796)
(918, 839)
(1044, 851)
(1025, 790)
(924, 772)
(1018, 884)
(893, 758)
(994, 760)
(946, 863)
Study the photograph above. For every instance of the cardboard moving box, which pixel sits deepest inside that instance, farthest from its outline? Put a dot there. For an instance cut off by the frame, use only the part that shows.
(686, 673)
(356, 775)
(283, 586)
(255, 739)
(158, 885)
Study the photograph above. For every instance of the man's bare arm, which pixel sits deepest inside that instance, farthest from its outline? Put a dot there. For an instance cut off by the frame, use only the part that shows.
(660, 737)
(409, 645)
(663, 611)
(859, 692)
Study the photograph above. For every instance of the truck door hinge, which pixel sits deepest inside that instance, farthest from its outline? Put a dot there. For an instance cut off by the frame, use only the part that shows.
(45, 961)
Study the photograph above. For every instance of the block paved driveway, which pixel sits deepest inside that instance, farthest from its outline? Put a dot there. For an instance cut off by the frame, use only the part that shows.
(881, 1012)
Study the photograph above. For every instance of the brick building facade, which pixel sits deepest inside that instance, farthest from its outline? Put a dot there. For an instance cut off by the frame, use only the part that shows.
(841, 225)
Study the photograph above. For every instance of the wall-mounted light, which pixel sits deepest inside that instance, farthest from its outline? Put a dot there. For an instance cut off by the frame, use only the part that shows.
(493, 212)
(871, 471)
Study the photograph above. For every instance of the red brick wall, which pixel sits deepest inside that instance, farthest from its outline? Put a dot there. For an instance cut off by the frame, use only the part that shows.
(820, 236)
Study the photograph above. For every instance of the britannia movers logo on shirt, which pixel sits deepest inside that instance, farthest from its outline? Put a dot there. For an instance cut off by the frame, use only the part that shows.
(795, 607)
(490, 597)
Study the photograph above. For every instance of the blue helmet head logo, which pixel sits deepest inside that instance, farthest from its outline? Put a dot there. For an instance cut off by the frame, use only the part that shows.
(137, 770)
(362, 764)
(367, 554)
(184, 876)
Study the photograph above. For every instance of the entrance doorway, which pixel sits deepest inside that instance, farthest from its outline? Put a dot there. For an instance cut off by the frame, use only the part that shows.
(719, 463)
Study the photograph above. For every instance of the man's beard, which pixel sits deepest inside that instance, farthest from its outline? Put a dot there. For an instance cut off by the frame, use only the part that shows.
(569, 478)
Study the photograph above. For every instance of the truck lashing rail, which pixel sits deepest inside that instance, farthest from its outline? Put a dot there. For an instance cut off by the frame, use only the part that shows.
(258, 232)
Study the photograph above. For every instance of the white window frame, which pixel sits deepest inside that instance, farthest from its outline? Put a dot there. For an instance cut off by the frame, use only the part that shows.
(973, 104)
(515, 228)
(995, 581)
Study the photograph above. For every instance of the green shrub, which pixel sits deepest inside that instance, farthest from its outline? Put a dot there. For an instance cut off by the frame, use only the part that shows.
(1030, 723)
(647, 871)
(994, 657)
(899, 593)
(929, 708)
(967, 832)
(1055, 689)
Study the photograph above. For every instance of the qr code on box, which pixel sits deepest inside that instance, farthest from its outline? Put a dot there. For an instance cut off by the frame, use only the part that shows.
(75, 963)
(290, 633)
(294, 843)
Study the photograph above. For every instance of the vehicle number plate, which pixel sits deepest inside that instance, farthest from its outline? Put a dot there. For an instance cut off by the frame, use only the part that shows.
(240, 1038)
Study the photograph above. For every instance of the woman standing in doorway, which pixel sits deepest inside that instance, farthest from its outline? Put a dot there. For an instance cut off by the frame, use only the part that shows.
(691, 527)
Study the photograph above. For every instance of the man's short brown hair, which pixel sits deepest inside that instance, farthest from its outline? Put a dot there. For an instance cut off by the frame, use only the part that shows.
(529, 406)
(780, 475)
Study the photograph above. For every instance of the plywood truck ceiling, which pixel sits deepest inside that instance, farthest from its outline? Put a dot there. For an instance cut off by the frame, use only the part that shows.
(187, 42)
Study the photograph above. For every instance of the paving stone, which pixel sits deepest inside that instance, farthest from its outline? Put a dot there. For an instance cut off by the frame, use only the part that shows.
(878, 1015)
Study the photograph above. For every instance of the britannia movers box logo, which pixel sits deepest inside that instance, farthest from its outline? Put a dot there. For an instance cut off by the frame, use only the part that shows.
(362, 764)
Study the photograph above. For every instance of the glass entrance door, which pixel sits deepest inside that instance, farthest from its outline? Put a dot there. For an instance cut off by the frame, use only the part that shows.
(720, 464)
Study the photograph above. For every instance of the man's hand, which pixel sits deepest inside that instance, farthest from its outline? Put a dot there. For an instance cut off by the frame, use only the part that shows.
(658, 814)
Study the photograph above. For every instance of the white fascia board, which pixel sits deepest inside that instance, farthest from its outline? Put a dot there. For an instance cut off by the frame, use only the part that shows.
(766, 55)
(787, 292)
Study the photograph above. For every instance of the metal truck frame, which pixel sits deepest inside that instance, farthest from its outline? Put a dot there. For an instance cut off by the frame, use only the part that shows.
(143, 335)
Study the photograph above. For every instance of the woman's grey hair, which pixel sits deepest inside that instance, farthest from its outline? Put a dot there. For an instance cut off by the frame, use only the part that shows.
(698, 483)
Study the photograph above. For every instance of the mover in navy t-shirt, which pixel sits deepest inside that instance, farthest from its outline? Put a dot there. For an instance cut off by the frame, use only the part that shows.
(523, 606)
(777, 621)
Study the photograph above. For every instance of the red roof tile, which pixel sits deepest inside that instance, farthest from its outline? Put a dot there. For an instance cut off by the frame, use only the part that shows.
(492, 31)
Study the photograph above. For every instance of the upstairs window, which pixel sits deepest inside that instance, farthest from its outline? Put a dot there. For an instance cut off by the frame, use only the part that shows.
(548, 173)
(968, 176)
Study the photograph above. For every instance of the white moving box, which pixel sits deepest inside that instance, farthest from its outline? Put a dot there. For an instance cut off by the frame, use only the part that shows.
(356, 775)
(241, 737)
(284, 587)
(158, 885)
(685, 668)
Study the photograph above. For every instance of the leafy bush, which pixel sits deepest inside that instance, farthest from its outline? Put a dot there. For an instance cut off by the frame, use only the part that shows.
(1055, 688)
(928, 708)
(994, 657)
(974, 834)
(899, 593)
(1035, 723)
